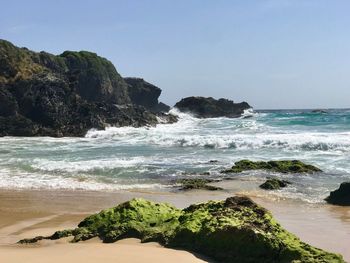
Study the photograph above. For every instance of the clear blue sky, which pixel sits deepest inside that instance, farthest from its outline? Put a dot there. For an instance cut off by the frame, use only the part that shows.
(272, 53)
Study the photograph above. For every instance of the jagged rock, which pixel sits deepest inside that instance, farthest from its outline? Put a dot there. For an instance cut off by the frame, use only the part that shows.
(274, 184)
(211, 108)
(66, 95)
(293, 166)
(341, 196)
(234, 230)
(143, 93)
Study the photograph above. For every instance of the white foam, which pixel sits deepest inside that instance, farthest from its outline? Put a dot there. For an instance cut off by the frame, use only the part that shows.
(9, 180)
(85, 165)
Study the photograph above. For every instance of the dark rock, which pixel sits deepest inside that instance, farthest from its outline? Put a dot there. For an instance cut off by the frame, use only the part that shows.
(8, 104)
(294, 166)
(145, 94)
(210, 108)
(95, 78)
(46, 95)
(234, 230)
(341, 196)
(198, 183)
(319, 111)
(274, 184)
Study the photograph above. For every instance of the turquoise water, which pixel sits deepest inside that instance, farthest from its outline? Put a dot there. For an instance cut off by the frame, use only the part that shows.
(125, 158)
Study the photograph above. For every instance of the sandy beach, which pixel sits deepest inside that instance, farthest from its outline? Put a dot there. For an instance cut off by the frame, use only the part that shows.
(26, 214)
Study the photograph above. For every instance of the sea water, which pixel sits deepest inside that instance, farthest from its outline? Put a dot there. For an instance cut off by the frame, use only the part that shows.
(153, 157)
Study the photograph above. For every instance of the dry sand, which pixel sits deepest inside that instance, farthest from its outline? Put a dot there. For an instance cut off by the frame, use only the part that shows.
(26, 214)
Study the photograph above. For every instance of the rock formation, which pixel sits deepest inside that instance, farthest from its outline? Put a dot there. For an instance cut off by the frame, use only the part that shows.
(284, 166)
(234, 230)
(66, 95)
(274, 184)
(145, 94)
(341, 196)
(211, 108)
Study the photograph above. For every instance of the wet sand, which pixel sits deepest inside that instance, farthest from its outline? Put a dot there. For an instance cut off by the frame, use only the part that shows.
(25, 214)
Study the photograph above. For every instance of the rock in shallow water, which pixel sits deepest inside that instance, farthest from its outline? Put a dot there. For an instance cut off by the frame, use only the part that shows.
(198, 183)
(293, 166)
(341, 196)
(274, 184)
(211, 108)
(234, 230)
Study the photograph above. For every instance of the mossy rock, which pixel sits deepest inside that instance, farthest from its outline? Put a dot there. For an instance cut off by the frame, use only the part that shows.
(197, 183)
(234, 230)
(286, 166)
(341, 196)
(274, 184)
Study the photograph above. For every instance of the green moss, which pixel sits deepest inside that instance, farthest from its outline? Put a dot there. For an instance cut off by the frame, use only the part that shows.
(234, 230)
(293, 166)
(198, 183)
(16, 63)
(274, 184)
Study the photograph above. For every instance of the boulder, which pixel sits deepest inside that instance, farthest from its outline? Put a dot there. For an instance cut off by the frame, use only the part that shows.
(202, 107)
(341, 196)
(233, 230)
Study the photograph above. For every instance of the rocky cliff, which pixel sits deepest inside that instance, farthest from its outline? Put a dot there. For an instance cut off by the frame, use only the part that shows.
(143, 93)
(46, 95)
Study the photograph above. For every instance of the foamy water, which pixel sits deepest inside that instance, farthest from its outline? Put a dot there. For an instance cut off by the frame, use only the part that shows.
(151, 157)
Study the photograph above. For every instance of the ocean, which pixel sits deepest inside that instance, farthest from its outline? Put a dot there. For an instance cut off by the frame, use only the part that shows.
(153, 157)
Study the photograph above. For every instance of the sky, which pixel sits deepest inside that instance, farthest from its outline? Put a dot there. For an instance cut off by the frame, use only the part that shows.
(274, 54)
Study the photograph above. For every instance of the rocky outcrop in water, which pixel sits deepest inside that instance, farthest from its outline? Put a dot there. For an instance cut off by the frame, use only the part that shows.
(197, 184)
(341, 196)
(202, 107)
(284, 166)
(234, 230)
(66, 95)
(274, 184)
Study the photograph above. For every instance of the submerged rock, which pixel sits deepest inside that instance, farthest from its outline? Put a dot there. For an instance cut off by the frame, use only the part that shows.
(203, 107)
(66, 95)
(293, 166)
(198, 183)
(274, 184)
(341, 196)
(319, 111)
(234, 230)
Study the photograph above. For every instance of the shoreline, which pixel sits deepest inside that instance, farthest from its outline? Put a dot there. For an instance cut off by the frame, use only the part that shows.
(27, 213)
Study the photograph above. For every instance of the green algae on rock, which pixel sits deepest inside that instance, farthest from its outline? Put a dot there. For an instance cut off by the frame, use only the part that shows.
(286, 166)
(234, 230)
(274, 184)
(341, 196)
(197, 183)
